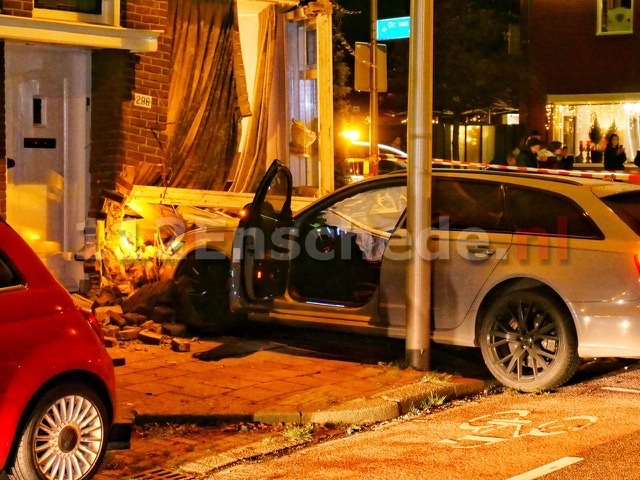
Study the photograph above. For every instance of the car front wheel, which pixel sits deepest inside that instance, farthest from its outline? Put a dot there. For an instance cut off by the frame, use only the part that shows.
(528, 341)
(203, 288)
(65, 436)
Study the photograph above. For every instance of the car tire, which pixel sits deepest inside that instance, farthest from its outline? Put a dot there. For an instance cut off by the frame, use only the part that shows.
(203, 286)
(65, 436)
(528, 341)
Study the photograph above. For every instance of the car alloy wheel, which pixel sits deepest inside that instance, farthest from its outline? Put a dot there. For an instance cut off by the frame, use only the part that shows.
(528, 341)
(65, 437)
(203, 289)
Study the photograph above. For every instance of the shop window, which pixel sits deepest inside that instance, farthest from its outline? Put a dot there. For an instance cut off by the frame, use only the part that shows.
(106, 12)
(615, 17)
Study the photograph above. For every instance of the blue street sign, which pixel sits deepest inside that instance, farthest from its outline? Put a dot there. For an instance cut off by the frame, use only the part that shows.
(393, 28)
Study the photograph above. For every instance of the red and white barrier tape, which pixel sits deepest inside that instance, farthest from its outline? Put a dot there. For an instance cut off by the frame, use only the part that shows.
(604, 175)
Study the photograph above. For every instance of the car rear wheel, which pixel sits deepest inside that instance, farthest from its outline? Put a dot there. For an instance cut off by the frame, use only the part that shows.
(203, 286)
(528, 341)
(65, 436)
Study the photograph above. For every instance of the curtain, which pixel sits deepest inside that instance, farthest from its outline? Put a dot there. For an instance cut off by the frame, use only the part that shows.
(252, 160)
(207, 95)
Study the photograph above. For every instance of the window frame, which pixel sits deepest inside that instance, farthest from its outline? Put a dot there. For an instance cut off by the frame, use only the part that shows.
(602, 8)
(110, 14)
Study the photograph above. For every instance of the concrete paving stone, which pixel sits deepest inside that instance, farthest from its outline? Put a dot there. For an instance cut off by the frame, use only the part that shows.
(330, 378)
(367, 372)
(253, 393)
(203, 390)
(126, 396)
(289, 373)
(151, 363)
(223, 380)
(284, 386)
(133, 378)
(251, 364)
(182, 380)
(308, 380)
(286, 359)
(196, 365)
(151, 388)
(367, 388)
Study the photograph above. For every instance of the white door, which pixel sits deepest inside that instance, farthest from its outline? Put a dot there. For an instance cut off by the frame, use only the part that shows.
(47, 117)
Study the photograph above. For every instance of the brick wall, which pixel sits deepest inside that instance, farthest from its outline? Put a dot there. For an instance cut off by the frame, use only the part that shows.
(567, 57)
(125, 136)
(19, 8)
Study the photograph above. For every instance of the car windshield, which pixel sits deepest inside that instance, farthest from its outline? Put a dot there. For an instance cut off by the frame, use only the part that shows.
(626, 205)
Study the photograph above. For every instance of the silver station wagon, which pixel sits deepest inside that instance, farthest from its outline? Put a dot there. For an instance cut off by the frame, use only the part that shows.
(538, 271)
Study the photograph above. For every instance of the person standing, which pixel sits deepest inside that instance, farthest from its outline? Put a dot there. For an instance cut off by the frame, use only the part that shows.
(566, 160)
(614, 154)
(528, 157)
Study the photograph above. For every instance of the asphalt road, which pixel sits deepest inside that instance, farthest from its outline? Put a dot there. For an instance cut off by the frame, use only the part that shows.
(586, 430)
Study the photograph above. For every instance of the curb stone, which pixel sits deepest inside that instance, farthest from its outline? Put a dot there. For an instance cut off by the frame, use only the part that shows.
(382, 407)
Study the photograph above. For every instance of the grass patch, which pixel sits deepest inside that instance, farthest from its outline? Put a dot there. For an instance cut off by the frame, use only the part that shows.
(435, 377)
(298, 433)
(400, 364)
(432, 400)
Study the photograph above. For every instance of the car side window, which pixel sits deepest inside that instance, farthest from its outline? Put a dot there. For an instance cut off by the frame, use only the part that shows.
(371, 215)
(459, 204)
(544, 213)
(9, 276)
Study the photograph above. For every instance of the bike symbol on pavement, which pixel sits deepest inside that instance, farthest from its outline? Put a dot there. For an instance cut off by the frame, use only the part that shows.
(501, 426)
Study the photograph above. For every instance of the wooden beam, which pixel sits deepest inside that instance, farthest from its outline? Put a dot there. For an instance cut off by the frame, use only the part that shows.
(200, 198)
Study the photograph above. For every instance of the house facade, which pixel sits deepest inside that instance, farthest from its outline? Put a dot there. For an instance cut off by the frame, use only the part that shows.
(579, 67)
(100, 96)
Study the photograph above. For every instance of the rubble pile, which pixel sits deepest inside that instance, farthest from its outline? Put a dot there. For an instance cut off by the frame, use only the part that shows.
(147, 316)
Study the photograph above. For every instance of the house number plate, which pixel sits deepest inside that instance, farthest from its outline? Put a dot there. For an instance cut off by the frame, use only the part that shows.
(143, 101)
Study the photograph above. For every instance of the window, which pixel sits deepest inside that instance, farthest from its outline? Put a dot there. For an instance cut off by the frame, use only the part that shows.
(9, 276)
(626, 206)
(106, 12)
(615, 17)
(461, 204)
(342, 244)
(559, 216)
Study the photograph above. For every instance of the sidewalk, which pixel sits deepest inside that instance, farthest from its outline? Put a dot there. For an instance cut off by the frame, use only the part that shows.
(232, 380)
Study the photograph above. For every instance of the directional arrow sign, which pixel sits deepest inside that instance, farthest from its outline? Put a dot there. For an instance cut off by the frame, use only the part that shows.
(393, 28)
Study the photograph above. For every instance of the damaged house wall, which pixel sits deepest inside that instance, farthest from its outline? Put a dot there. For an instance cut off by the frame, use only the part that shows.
(168, 118)
(189, 135)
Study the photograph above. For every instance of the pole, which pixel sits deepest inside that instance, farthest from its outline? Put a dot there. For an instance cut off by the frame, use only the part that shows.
(373, 91)
(420, 141)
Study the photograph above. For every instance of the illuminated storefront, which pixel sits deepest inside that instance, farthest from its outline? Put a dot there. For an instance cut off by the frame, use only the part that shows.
(571, 117)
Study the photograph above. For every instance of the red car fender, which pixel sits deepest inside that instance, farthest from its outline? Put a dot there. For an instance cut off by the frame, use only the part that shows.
(31, 347)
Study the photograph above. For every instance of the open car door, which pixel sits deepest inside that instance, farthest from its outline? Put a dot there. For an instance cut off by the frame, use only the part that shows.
(261, 248)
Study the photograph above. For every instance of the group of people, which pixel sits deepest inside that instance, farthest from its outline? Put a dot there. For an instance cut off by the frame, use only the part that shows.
(555, 155)
(532, 154)
(536, 155)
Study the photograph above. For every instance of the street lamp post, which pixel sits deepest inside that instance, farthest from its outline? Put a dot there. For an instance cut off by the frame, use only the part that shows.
(373, 90)
(418, 295)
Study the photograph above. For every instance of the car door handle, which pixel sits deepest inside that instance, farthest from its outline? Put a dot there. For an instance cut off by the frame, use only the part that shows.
(483, 249)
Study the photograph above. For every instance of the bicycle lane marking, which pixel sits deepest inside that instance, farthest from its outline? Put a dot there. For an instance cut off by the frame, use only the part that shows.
(623, 390)
(512, 422)
(546, 469)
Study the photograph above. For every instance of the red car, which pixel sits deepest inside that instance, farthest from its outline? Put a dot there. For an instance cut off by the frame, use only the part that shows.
(57, 381)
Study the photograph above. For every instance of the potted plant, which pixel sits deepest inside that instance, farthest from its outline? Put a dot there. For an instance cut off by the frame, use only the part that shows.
(595, 135)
